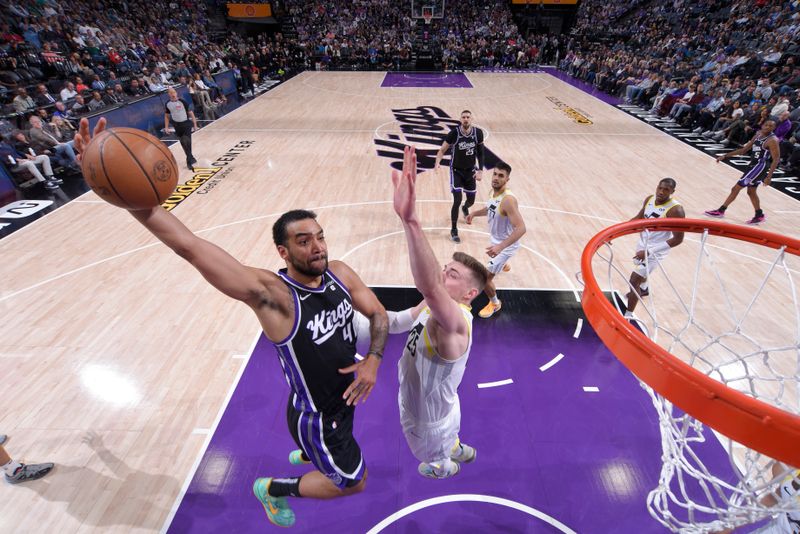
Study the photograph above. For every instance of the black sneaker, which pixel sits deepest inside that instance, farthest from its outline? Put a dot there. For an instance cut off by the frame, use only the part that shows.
(644, 292)
(29, 472)
(50, 185)
(454, 236)
(55, 180)
(465, 211)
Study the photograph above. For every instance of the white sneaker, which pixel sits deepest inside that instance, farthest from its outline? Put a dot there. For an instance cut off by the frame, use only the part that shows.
(436, 471)
(697, 130)
(463, 454)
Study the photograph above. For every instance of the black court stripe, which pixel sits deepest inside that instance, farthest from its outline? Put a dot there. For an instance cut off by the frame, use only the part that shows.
(170, 158)
(108, 177)
(146, 175)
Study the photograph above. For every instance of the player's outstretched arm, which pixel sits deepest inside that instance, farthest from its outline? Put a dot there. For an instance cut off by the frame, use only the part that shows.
(743, 150)
(222, 270)
(424, 266)
(477, 213)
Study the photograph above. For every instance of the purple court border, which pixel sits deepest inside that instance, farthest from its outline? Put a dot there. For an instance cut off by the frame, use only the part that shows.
(586, 460)
(583, 86)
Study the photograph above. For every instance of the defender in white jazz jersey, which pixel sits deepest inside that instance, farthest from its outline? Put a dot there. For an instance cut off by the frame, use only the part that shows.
(438, 343)
(506, 227)
(653, 246)
(786, 497)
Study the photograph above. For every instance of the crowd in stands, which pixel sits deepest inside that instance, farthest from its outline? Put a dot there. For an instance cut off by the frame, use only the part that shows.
(380, 35)
(733, 65)
(733, 62)
(63, 59)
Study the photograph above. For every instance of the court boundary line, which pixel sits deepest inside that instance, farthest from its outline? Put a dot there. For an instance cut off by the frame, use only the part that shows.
(211, 431)
(395, 96)
(552, 362)
(495, 132)
(467, 497)
(424, 229)
(209, 435)
(496, 383)
(12, 294)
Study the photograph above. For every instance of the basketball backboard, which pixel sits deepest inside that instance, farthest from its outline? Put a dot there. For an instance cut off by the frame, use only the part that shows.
(421, 7)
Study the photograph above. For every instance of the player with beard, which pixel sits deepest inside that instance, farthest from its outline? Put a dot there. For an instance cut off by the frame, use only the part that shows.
(467, 143)
(653, 247)
(506, 227)
(306, 310)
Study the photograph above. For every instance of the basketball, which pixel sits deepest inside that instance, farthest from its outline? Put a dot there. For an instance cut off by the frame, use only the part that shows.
(129, 168)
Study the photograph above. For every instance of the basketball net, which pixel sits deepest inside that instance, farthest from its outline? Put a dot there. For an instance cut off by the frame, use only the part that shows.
(714, 304)
(427, 15)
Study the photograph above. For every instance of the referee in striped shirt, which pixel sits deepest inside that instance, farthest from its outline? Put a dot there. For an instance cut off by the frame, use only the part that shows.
(178, 110)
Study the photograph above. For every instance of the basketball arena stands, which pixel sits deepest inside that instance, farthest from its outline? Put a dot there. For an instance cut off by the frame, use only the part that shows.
(68, 59)
(720, 68)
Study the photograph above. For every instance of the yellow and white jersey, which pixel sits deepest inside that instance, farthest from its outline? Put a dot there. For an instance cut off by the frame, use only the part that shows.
(500, 226)
(429, 383)
(655, 211)
(789, 522)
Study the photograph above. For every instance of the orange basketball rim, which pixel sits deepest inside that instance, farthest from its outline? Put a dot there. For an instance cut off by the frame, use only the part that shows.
(751, 422)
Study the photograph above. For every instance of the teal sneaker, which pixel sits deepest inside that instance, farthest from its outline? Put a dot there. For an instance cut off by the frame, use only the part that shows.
(278, 511)
(296, 458)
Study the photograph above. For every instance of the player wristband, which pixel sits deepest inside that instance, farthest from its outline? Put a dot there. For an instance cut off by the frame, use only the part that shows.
(375, 353)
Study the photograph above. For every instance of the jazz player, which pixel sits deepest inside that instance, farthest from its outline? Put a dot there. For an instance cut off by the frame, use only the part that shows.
(467, 143)
(653, 247)
(786, 497)
(506, 227)
(306, 310)
(439, 340)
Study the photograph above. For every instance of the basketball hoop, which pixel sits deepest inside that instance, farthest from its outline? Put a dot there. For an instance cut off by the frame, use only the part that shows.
(739, 381)
(427, 14)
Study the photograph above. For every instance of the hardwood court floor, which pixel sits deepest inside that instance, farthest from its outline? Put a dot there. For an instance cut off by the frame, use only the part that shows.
(118, 357)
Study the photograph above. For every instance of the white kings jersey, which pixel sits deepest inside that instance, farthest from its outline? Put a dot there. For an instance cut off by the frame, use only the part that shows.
(429, 383)
(655, 211)
(499, 225)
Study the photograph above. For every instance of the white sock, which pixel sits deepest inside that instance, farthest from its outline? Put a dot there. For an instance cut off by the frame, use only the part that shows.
(628, 314)
(495, 300)
(11, 467)
(644, 286)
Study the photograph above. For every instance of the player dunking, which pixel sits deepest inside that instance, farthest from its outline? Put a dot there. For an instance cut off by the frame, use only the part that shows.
(306, 310)
(439, 340)
(506, 227)
(467, 143)
(767, 152)
(653, 246)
